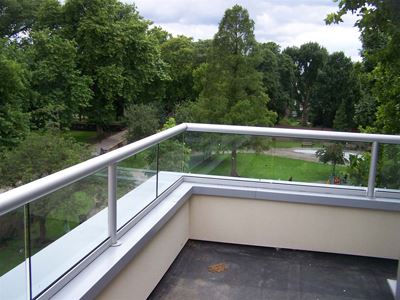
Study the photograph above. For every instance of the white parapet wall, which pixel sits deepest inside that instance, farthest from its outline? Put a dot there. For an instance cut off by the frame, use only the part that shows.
(141, 275)
(345, 230)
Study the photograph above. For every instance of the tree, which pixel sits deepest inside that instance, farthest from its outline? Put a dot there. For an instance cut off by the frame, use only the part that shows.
(178, 53)
(41, 154)
(141, 121)
(17, 16)
(116, 51)
(232, 88)
(335, 94)
(378, 23)
(309, 59)
(278, 78)
(172, 155)
(333, 154)
(14, 121)
(59, 92)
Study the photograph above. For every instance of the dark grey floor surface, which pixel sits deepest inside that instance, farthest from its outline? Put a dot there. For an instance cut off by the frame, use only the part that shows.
(267, 273)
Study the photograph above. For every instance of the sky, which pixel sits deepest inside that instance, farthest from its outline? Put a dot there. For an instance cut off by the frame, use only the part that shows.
(286, 22)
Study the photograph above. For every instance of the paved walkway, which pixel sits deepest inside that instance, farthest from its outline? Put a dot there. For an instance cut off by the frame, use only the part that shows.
(112, 142)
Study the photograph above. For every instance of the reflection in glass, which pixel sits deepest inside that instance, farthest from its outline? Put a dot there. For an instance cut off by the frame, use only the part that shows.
(285, 159)
(13, 266)
(136, 184)
(57, 240)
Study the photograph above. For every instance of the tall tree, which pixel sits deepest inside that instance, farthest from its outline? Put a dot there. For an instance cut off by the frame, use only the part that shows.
(178, 53)
(278, 78)
(309, 60)
(232, 91)
(116, 51)
(58, 90)
(335, 94)
(17, 16)
(14, 76)
(379, 23)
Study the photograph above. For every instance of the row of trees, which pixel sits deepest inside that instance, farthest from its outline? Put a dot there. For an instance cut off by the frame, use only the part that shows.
(91, 60)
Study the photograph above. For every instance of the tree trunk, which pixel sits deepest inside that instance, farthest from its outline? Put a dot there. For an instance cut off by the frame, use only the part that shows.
(304, 114)
(99, 130)
(42, 229)
(234, 161)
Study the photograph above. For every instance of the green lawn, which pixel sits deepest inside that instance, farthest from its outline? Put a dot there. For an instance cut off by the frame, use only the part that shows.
(83, 136)
(288, 143)
(267, 167)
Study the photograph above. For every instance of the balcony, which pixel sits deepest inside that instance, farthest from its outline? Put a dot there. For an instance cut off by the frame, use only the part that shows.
(151, 198)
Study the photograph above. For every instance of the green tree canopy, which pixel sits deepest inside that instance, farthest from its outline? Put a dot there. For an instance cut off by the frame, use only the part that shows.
(232, 90)
(59, 92)
(178, 53)
(379, 23)
(278, 71)
(14, 76)
(332, 153)
(309, 59)
(141, 121)
(116, 52)
(335, 94)
(41, 154)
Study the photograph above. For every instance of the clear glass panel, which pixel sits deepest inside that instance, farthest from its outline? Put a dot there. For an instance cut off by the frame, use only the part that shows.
(173, 159)
(136, 184)
(65, 227)
(13, 269)
(302, 160)
(388, 172)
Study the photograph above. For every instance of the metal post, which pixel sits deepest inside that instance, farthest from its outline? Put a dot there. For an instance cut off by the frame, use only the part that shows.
(157, 166)
(372, 170)
(112, 204)
(28, 248)
(397, 297)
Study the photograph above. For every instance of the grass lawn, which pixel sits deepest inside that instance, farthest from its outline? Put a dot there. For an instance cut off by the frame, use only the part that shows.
(138, 161)
(82, 136)
(290, 143)
(264, 166)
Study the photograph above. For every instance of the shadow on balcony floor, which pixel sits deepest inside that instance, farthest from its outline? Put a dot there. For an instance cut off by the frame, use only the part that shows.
(205, 270)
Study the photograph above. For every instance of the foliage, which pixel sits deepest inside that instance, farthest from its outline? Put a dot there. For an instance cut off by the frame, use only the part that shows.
(14, 121)
(59, 91)
(309, 59)
(178, 53)
(141, 121)
(116, 52)
(333, 154)
(39, 155)
(358, 169)
(173, 154)
(278, 78)
(379, 23)
(232, 90)
(335, 93)
(17, 16)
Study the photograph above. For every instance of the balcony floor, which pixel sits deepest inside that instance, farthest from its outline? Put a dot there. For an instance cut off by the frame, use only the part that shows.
(205, 270)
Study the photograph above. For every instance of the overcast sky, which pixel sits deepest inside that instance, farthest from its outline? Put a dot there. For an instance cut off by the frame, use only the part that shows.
(286, 22)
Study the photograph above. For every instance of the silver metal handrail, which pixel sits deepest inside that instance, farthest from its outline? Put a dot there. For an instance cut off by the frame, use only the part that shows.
(19, 196)
(295, 133)
(29, 192)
